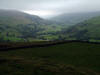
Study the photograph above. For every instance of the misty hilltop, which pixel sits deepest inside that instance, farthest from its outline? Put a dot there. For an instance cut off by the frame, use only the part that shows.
(18, 17)
(74, 18)
(51, 8)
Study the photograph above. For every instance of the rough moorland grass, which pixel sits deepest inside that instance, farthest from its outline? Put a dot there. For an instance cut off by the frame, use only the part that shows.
(82, 55)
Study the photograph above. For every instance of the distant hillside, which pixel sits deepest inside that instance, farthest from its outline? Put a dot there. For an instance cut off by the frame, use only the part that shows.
(87, 30)
(74, 18)
(17, 17)
(19, 26)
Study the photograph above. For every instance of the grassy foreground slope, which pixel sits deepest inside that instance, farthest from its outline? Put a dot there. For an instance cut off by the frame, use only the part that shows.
(66, 59)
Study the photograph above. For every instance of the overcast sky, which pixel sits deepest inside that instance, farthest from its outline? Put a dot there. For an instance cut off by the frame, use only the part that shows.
(46, 8)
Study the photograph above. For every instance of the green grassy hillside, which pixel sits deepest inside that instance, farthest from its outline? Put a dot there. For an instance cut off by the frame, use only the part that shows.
(87, 30)
(65, 59)
(17, 26)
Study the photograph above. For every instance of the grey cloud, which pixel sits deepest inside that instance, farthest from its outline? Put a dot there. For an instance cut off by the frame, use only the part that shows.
(57, 6)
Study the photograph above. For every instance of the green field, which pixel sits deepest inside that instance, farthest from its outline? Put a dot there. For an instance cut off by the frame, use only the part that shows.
(65, 59)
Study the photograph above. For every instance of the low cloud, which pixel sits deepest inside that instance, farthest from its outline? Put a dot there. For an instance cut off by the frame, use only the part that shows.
(55, 6)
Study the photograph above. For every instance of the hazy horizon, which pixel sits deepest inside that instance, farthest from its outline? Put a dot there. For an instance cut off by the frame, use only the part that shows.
(49, 8)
